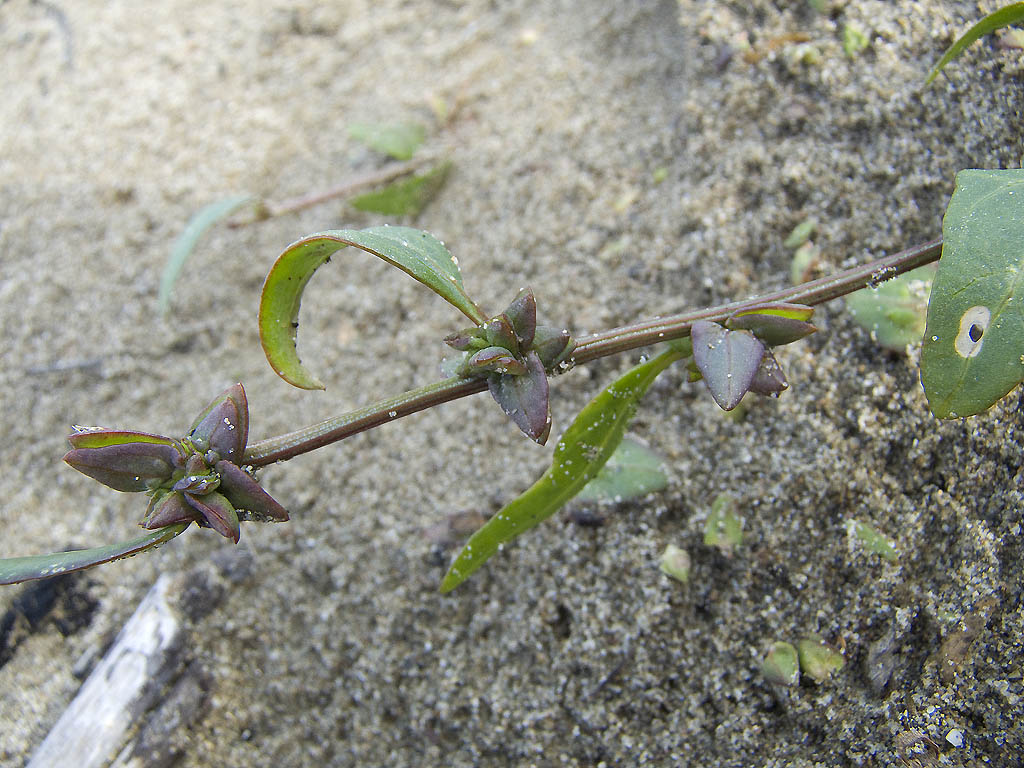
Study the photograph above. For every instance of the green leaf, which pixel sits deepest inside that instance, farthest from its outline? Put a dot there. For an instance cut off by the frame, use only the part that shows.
(406, 197)
(633, 470)
(17, 569)
(101, 438)
(723, 528)
(871, 540)
(186, 242)
(801, 233)
(400, 140)
(854, 40)
(894, 312)
(416, 253)
(1004, 17)
(581, 453)
(973, 351)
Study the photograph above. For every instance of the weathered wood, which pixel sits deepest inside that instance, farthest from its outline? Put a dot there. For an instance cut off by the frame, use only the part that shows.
(93, 729)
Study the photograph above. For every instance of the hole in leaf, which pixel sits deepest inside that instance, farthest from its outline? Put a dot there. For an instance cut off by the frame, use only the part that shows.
(973, 324)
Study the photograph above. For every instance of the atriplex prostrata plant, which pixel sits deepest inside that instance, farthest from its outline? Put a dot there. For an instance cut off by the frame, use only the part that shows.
(973, 354)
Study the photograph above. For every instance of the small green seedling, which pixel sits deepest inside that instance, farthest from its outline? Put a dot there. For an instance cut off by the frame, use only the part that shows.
(724, 528)
(633, 470)
(781, 665)
(675, 562)
(818, 660)
(895, 311)
(855, 40)
(871, 540)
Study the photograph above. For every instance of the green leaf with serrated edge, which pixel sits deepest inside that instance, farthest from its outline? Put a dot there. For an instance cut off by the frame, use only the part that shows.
(400, 140)
(894, 311)
(1004, 17)
(18, 569)
(406, 197)
(186, 242)
(584, 448)
(973, 352)
(633, 470)
(413, 251)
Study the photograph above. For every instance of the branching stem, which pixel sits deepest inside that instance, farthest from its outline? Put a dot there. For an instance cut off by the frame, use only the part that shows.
(591, 348)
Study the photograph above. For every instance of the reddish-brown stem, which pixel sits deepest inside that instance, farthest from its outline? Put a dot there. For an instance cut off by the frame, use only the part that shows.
(591, 348)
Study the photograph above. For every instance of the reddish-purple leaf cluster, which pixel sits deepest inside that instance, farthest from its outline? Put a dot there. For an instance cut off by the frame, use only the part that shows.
(736, 358)
(515, 354)
(195, 479)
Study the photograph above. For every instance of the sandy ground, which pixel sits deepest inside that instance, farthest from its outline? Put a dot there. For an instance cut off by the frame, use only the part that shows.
(626, 159)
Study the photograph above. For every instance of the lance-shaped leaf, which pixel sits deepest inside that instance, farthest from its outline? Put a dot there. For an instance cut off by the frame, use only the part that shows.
(728, 360)
(223, 425)
(1004, 17)
(524, 398)
(492, 360)
(774, 324)
(187, 240)
(468, 339)
(246, 494)
(553, 345)
(18, 569)
(100, 438)
(168, 508)
(500, 333)
(973, 352)
(584, 448)
(130, 466)
(522, 313)
(218, 513)
(415, 252)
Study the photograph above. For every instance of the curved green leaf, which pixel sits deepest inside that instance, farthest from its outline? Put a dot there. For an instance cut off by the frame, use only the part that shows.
(413, 251)
(1004, 17)
(18, 569)
(973, 350)
(186, 242)
(584, 448)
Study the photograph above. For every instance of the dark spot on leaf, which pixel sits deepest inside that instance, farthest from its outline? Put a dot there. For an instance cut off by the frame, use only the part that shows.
(976, 332)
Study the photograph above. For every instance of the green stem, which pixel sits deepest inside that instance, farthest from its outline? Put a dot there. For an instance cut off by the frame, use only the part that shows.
(597, 346)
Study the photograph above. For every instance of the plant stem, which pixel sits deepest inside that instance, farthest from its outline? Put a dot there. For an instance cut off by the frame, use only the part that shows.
(812, 293)
(269, 210)
(326, 432)
(596, 346)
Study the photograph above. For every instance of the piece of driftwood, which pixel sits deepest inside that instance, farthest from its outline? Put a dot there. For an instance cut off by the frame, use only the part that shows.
(125, 684)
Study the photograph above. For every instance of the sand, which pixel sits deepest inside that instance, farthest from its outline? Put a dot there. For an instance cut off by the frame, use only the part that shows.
(625, 159)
